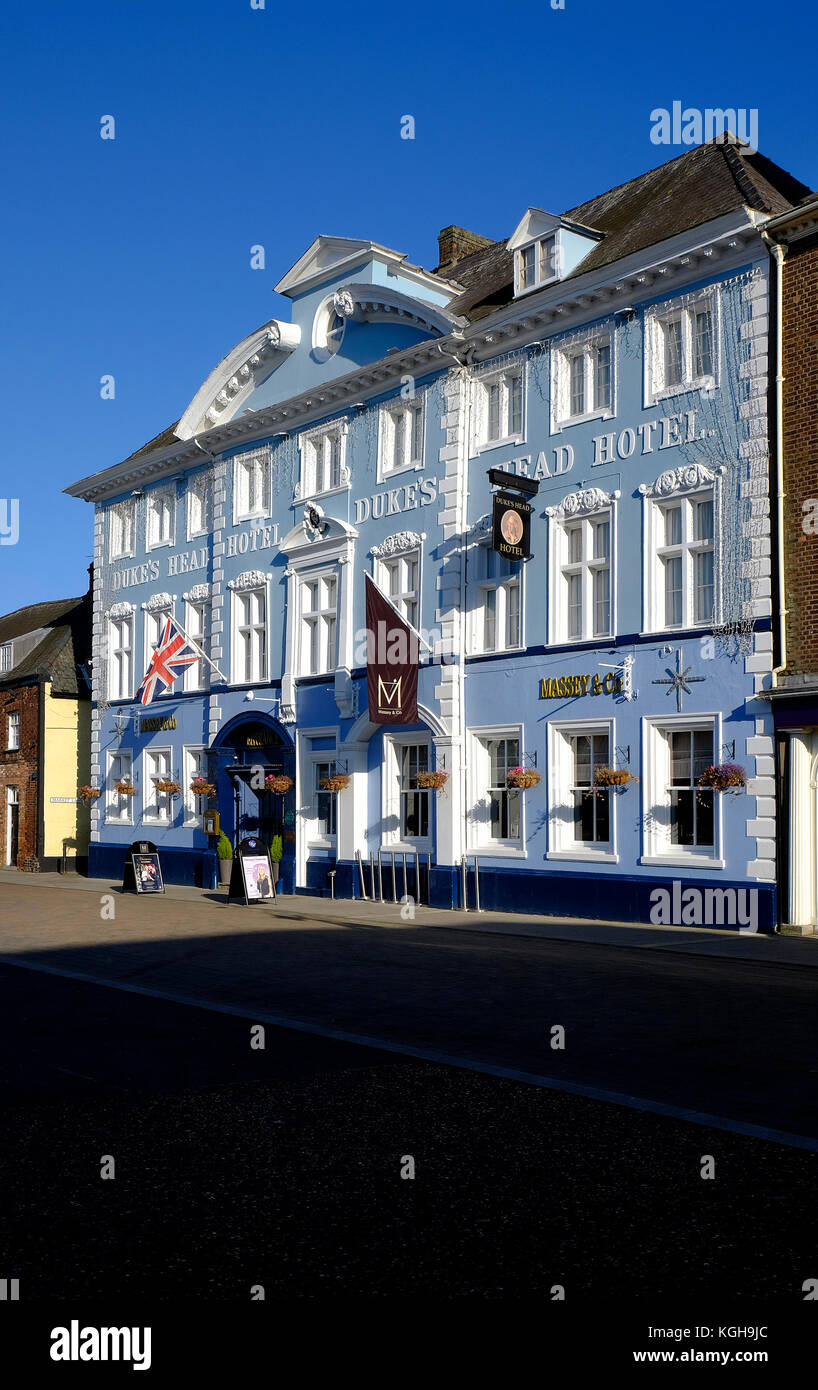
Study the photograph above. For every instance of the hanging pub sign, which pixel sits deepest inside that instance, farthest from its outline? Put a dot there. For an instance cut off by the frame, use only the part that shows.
(251, 878)
(143, 872)
(511, 514)
(392, 655)
(511, 527)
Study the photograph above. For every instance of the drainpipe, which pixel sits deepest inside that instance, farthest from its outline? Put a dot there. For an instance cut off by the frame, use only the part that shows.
(777, 253)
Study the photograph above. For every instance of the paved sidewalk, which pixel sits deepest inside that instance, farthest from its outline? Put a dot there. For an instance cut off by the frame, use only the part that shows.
(298, 909)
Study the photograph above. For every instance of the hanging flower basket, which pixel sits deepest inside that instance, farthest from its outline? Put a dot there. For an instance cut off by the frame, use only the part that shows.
(522, 778)
(278, 782)
(201, 787)
(433, 781)
(613, 777)
(125, 788)
(724, 777)
(167, 786)
(336, 783)
(87, 794)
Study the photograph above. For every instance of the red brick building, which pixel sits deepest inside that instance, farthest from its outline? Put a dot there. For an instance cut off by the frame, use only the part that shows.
(793, 241)
(44, 734)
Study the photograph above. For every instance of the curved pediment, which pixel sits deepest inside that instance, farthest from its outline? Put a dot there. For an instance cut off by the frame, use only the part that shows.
(370, 303)
(314, 531)
(237, 375)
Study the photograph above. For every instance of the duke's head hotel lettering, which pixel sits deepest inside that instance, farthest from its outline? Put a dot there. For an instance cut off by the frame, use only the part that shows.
(556, 687)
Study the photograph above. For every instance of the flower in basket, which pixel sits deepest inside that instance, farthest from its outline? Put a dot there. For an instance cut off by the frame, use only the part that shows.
(167, 786)
(613, 776)
(124, 787)
(201, 787)
(87, 793)
(336, 783)
(522, 777)
(278, 782)
(434, 781)
(722, 777)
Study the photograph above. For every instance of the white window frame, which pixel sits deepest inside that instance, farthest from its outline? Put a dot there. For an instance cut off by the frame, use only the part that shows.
(121, 522)
(261, 675)
(480, 588)
(194, 762)
(391, 793)
(655, 503)
(153, 621)
(656, 843)
(547, 249)
(479, 802)
(584, 346)
(657, 317)
(194, 677)
(6, 656)
(383, 568)
(561, 842)
(157, 807)
(119, 693)
(304, 617)
(259, 461)
(310, 763)
(483, 386)
(197, 489)
(313, 447)
(589, 504)
(412, 413)
(118, 809)
(13, 727)
(166, 498)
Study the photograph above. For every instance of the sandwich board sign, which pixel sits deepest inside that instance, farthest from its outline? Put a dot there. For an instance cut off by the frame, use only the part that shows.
(143, 871)
(251, 878)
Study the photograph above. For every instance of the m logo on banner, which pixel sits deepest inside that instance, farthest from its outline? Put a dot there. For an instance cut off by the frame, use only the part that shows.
(389, 695)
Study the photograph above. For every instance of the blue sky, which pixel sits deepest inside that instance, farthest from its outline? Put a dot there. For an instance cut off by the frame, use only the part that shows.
(237, 126)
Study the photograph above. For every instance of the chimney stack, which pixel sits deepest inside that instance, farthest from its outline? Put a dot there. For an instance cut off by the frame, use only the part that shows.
(455, 244)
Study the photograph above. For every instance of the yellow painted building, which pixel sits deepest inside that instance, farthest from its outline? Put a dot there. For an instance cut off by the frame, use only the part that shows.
(45, 733)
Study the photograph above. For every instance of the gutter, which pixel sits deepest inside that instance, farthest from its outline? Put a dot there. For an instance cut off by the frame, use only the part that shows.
(777, 254)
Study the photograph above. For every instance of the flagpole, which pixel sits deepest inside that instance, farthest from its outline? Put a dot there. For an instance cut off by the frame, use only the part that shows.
(398, 614)
(197, 648)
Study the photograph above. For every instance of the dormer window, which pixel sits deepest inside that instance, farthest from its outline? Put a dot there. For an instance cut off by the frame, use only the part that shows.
(537, 263)
(547, 248)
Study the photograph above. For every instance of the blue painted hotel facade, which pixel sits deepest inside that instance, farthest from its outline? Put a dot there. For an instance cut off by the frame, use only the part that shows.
(616, 355)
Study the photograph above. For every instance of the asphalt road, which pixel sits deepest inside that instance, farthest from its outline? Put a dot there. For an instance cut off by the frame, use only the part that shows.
(281, 1167)
(729, 1038)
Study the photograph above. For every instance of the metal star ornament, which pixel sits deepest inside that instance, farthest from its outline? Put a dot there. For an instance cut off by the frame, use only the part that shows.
(680, 680)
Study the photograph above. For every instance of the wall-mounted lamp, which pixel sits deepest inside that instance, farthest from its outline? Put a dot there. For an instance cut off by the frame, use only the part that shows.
(122, 719)
(625, 315)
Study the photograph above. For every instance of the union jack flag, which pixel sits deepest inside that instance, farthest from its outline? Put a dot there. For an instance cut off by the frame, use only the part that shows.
(173, 653)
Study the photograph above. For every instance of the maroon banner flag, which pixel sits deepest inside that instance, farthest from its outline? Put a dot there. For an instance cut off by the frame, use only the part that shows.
(391, 662)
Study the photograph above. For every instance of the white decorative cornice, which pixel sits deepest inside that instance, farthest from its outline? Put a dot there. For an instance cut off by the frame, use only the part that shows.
(396, 545)
(482, 528)
(157, 601)
(250, 579)
(198, 594)
(686, 478)
(583, 503)
(121, 610)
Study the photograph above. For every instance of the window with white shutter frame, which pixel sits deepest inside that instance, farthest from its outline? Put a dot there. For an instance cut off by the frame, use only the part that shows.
(500, 407)
(682, 345)
(251, 485)
(583, 378)
(161, 510)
